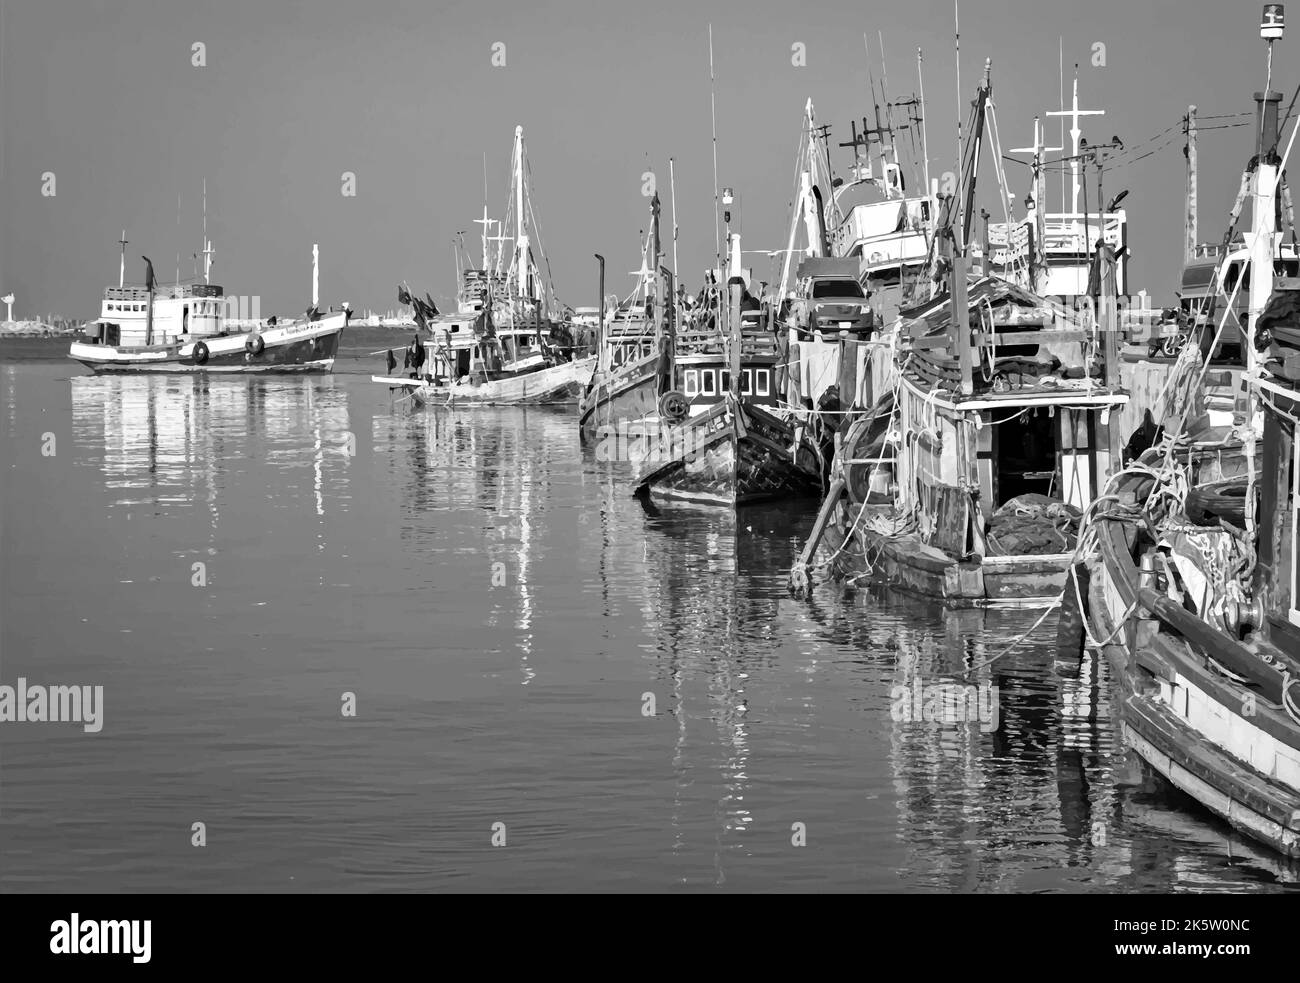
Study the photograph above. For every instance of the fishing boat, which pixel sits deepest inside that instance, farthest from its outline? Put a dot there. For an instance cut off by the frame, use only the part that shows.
(721, 439)
(508, 341)
(966, 480)
(628, 379)
(190, 328)
(1191, 590)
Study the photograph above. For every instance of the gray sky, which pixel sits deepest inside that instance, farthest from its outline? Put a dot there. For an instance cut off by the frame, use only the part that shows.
(404, 95)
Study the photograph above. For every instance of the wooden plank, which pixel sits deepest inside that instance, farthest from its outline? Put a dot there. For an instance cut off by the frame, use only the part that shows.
(1030, 337)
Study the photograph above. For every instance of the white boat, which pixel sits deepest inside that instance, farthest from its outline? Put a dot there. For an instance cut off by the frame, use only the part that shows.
(502, 345)
(188, 328)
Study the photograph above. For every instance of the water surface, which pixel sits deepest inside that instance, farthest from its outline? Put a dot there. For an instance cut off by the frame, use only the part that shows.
(504, 614)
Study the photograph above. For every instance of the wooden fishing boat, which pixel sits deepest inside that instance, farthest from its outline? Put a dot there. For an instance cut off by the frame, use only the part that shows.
(1191, 588)
(629, 377)
(965, 489)
(966, 481)
(722, 438)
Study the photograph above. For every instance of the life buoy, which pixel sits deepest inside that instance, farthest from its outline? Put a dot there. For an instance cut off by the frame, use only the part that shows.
(255, 343)
(200, 353)
(674, 407)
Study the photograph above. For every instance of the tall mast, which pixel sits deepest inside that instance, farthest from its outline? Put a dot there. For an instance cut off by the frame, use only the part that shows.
(925, 150)
(1189, 227)
(713, 110)
(315, 275)
(731, 212)
(1074, 113)
(121, 269)
(1040, 201)
(975, 144)
(207, 243)
(672, 190)
(521, 237)
(1264, 221)
(956, 27)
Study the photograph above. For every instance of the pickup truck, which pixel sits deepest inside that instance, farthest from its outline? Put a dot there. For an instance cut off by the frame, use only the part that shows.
(829, 304)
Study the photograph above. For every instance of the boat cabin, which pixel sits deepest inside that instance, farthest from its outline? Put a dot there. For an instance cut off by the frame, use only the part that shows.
(180, 312)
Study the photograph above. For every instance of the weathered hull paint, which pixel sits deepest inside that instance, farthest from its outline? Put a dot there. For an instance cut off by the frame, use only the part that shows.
(1187, 721)
(734, 457)
(907, 564)
(610, 399)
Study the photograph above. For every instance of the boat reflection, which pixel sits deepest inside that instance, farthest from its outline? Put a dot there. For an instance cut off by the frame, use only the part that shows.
(167, 443)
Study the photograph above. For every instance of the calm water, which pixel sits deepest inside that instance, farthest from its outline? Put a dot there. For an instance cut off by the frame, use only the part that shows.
(500, 607)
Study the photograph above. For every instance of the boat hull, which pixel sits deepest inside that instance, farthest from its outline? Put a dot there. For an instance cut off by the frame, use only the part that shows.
(859, 551)
(561, 383)
(733, 454)
(1186, 721)
(631, 393)
(308, 346)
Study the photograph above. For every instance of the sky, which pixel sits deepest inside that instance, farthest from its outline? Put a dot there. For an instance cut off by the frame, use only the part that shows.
(405, 95)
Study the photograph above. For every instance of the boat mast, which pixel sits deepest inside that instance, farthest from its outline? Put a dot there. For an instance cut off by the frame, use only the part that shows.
(1264, 222)
(735, 281)
(713, 110)
(1038, 258)
(672, 190)
(121, 268)
(521, 236)
(315, 275)
(925, 150)
(207, 245)
(1189, 227)
(602, 357)
(1074, 113)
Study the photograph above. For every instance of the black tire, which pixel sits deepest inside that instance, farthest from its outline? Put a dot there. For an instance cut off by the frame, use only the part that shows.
(255, 343)
(200, 353)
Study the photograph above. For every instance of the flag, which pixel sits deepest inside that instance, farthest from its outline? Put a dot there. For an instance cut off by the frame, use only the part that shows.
(149, 281)
(433, 308)
(403, 296)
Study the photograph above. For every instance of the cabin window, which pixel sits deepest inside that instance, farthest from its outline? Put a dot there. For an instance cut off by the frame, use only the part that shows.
(747, 382)
(710, 380)
(691, 383)
(764, 382)
(726, 381)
